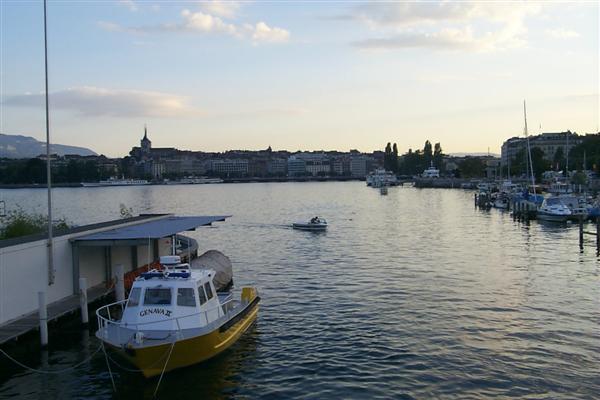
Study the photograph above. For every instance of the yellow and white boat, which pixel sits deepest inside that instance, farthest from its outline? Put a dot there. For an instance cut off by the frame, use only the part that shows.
(174, 318)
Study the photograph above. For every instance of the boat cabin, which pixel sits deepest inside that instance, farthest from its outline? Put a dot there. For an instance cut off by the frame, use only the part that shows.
(173, 298)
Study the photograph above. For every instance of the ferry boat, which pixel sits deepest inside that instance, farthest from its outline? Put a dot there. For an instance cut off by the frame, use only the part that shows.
(315, 224)
(175, 318)
(381, 177)
(116, 182)
(195, 181)
(431, 172)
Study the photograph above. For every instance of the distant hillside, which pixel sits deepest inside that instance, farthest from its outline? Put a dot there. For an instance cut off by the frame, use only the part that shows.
(17, 146)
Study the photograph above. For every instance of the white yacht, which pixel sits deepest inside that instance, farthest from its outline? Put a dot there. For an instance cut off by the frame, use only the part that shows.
(431, 172)
(381, 177)
(553, 209)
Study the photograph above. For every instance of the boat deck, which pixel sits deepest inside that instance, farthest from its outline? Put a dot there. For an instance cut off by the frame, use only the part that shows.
(29, 322)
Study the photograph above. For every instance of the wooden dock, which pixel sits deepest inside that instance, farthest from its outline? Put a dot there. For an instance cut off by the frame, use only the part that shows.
(30, 322)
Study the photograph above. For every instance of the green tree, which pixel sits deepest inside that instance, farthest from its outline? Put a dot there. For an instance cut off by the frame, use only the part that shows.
(559, 159)
(540, 164)
(471, 167)
(387, 157)
(427, 153)
(438, 156)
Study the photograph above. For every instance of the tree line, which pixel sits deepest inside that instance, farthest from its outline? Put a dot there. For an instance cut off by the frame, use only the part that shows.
(33, 171)
(413, 162)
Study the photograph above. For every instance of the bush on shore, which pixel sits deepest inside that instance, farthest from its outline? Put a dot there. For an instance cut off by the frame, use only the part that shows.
(19, 223)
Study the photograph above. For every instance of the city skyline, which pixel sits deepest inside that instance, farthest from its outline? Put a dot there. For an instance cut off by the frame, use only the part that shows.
(215, 75)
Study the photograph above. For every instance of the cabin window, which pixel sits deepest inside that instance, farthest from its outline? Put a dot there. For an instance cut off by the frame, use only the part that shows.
(134, 297)
(201, 295)
(156, 296)
(209, 293)
(186, 297)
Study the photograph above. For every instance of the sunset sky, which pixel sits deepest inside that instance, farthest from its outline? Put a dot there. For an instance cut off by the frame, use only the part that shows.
(216, 75)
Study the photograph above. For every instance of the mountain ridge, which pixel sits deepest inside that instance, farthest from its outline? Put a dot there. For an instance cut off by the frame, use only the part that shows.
(20, 146)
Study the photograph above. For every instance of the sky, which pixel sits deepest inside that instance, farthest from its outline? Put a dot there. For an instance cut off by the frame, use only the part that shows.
(310, 75)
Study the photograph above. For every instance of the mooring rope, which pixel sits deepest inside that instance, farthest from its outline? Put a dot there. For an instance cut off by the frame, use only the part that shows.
(112, 380)
(41, 371)
(164, 368)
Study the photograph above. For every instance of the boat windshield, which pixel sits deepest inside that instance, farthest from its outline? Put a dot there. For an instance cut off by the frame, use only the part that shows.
(156, 296)
(134, 297)
(553, 201)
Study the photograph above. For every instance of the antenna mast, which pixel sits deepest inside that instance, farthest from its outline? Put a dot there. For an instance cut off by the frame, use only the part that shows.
(528, 147)
(48, 169)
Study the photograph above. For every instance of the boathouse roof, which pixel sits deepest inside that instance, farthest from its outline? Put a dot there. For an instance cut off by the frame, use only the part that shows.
(155, 229)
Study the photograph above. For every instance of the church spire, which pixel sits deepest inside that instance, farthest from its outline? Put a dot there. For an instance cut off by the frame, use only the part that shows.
(145, 132)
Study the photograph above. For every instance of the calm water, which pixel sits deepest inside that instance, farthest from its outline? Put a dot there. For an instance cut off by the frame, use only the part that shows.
(411, 295)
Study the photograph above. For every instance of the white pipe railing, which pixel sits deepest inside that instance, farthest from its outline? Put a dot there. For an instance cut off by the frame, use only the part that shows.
(104, 321)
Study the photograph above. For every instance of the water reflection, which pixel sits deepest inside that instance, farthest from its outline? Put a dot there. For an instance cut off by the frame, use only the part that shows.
(410, 295)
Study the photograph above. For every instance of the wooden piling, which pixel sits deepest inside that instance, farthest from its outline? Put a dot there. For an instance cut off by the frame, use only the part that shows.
(120, 282)
(581, 232)
(83, 300)
(597, 235)
(43, 316)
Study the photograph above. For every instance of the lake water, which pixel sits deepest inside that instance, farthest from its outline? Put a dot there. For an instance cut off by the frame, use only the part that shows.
(416, 294)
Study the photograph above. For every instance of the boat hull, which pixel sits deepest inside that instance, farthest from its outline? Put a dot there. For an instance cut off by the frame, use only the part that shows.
(309, 227)
(151, 360)
(551, 217)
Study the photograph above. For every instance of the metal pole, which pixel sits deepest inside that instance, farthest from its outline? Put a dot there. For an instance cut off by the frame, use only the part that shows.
(48, 169)
(529, 148)
(43, 316)
(83, 300)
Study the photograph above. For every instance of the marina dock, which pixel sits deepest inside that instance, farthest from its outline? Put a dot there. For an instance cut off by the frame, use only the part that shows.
(14, 329)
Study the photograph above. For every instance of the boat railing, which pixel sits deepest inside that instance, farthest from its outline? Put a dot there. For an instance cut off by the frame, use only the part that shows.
(106, 319)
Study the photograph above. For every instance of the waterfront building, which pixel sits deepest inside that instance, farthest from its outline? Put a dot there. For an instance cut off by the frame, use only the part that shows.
(158, 169)
(257, 166)
(296, 166)
(227, 167)
(315, 163)
(340, 165)
(361, 165)
(277, 166)
(548, 142)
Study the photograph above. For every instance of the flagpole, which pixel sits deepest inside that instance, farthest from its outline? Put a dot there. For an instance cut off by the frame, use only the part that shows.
(48, 169)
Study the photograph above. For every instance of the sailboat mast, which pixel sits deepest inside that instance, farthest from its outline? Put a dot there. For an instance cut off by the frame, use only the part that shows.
(48, 169)
(528, 148)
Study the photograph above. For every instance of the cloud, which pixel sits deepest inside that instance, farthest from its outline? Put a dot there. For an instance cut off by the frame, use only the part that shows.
(261, 32)
(94, 102)
(444, 25)
(200, 22)
(561, 33)
(221, 8)
(206, 23)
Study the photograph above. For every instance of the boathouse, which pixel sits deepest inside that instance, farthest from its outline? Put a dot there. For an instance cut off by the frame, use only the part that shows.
(90, 251)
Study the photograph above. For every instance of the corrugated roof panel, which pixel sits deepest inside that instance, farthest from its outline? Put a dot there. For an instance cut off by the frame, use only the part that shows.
(155, 229)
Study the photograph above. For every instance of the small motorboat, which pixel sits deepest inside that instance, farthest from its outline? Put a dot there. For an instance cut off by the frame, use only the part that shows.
(175, 316)
(315, 224)
(553, 209)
